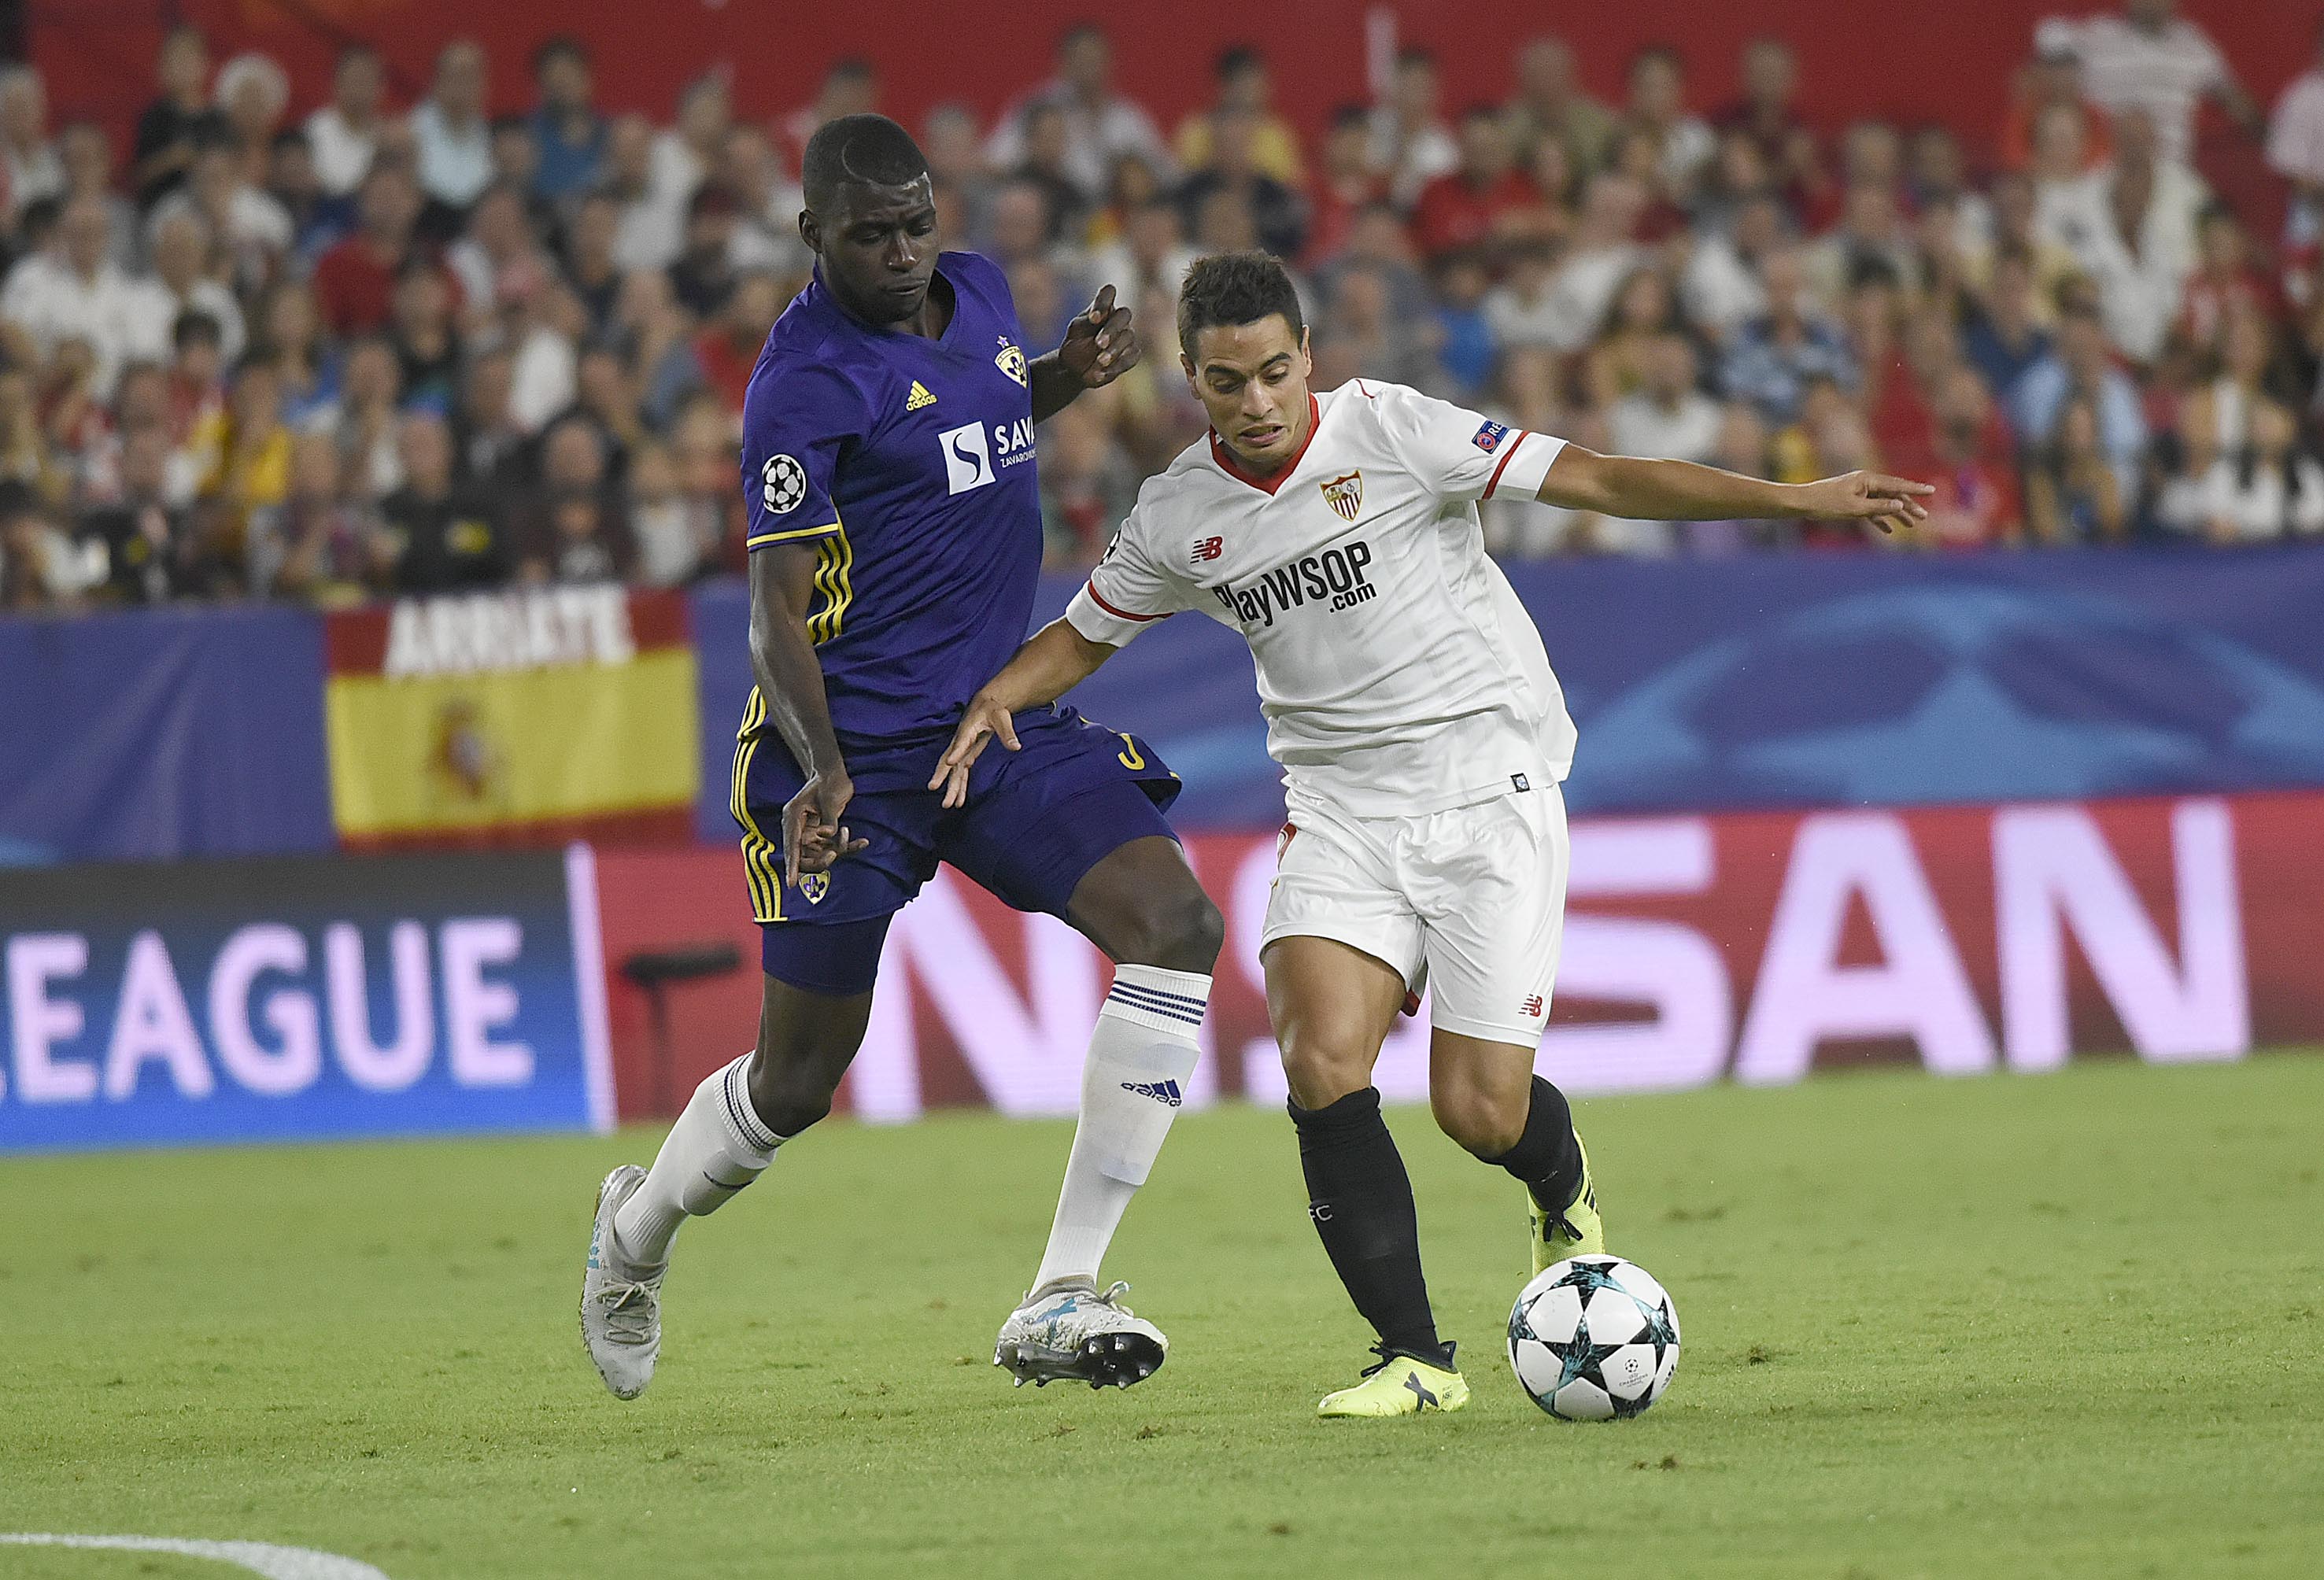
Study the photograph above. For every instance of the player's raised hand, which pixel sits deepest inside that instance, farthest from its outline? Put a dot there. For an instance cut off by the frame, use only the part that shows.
(1102, 344)
(813, 836)
(1887, 502)
(986, 720)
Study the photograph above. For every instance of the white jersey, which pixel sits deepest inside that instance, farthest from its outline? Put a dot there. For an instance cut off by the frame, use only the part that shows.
(1398, 671)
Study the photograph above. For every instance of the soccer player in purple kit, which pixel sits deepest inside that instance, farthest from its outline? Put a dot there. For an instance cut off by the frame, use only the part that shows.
(895, 541)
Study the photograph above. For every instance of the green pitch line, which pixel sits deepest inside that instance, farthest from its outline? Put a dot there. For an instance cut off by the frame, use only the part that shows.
(2068, 1324)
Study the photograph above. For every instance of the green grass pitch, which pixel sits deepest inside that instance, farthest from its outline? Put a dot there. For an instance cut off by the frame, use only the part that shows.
(2022, 1326)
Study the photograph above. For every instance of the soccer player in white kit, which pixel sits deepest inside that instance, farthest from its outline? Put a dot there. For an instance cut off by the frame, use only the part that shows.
(1422, 739)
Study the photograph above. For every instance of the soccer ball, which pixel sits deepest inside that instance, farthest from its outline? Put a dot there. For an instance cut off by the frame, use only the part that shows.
(1593, 1338)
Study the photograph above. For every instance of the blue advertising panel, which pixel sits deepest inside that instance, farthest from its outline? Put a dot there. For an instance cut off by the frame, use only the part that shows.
(300, 998)
(153, 735)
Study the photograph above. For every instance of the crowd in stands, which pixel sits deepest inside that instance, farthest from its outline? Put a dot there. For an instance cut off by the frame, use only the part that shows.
(383, 348)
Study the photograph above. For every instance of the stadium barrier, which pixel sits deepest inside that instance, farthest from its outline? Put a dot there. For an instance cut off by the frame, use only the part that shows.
(1756, 947)
(303, 999)
(313, 998)
(1704, 685)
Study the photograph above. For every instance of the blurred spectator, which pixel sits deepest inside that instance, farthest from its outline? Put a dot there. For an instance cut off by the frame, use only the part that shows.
(1642, 313)
(316, 219)
(2295, 151)
(1087, 484)
(1149, 256)
(87, 155)
(317, 545)
(568, 135)
(491, 452)
(1346, 184)
(1939, 172)
(2072, 494)
(1549, 103)
(1465, 348)
(343, 134)
(1278, 216)
(850, 87)
(1602, 255)
(1667, 416)
(690, 153)
(498, 258)
(658, 338)
(1976, 503)
(453, 139)
(767, 203)
(1362, 336)
(1871, 236)
(71, 290)
(1766, 117)
(438, 536)
(28, 158)
(2049, 87)
(1774, 359)
(575, 528)
(141, 538)
(2131, 226)
(252, 230)
(168, 129)
(363, 420)
(1099, 123)
(253, 94)
(2226, 283)
(2080, 366)
(1410, 146)
(546, 329)
(1243, 87)
(288, 332)
(180, 285)
(2005, 337)
(426, 341)
(1657, 108)
(1469, 204)
(644, 237)
(2151, 60)
(1720, 282)
(354, 279)
(1045, 167)
(592, 266)
(676, 542)
(702, 275)
(955, 155)
(38, 568)
(245, 455)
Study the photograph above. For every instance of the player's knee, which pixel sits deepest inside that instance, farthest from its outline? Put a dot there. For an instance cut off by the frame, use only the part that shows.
(1485, 1122)
(1179, 931)
(1321, 1069)
(790, 1092)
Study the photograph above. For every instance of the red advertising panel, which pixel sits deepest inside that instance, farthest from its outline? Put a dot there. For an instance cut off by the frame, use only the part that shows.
(1756, 947)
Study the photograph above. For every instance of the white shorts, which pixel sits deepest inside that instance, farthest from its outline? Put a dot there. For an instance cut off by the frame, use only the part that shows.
(1471, 902)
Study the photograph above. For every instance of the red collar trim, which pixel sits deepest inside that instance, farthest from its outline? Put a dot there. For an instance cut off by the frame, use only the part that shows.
(1276, 479)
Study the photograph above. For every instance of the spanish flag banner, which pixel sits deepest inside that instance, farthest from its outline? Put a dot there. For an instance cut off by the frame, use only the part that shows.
(513, 717)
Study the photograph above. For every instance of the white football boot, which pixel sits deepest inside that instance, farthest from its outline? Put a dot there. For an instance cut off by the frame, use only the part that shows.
(621, 1304)
(1079, 1334)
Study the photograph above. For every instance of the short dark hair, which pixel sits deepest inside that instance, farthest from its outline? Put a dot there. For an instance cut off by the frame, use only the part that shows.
(1236, 287)
(867, 148)
(559, 46)
(1237, 58)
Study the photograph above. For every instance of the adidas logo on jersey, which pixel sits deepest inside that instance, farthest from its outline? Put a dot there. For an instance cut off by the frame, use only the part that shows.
(1165, 1092)
(919, 399)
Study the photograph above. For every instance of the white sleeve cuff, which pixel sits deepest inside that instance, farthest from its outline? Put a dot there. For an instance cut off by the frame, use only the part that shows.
(1527, 465)
(1096, 623)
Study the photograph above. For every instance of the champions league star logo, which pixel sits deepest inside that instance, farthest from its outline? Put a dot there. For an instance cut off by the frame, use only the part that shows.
(1010, 360)
(1345, 494)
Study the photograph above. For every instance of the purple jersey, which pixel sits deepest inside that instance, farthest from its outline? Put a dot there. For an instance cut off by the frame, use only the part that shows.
(908, 463)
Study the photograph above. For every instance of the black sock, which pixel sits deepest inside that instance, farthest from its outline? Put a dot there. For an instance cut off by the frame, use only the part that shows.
(1361, 1200)
(1548, 1157)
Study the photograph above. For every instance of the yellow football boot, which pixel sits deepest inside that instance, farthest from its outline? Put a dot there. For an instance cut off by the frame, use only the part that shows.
(1578, 1231)
(1398, 1385)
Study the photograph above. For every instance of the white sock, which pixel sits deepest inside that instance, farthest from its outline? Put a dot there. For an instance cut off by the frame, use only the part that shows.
(718, 1145)
(1140, 1056)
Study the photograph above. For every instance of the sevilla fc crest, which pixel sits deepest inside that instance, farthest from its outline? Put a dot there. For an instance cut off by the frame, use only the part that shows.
(1345, 494)
(815, 885)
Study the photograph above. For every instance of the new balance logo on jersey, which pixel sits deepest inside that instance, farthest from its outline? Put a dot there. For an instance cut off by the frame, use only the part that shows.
(1533, 1006)
(1209, 549)
(1165, 1092)
(968, 458)
(1335, 579)
(920, 398)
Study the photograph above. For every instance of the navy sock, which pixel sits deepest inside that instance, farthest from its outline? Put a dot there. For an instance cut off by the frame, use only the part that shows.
(1360, 1198)
(1548, 1157)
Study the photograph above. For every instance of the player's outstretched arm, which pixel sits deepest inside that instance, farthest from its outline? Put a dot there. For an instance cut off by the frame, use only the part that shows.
(1679, 490)
(790, 680)
(1053, 661)
(1100, 346)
